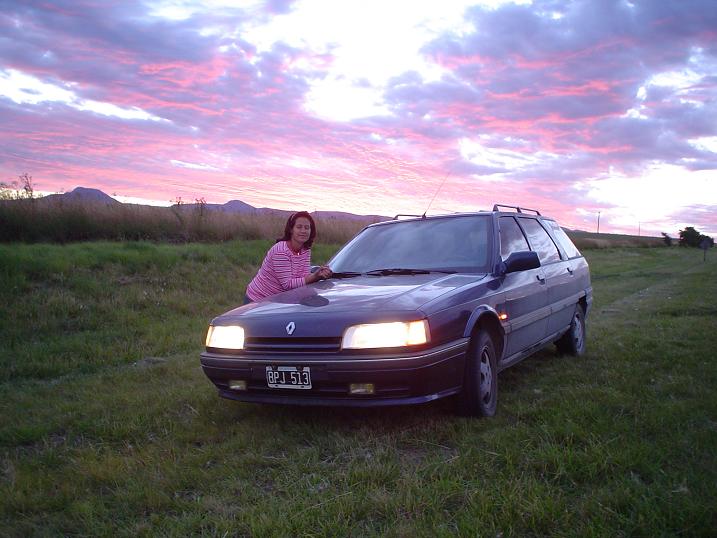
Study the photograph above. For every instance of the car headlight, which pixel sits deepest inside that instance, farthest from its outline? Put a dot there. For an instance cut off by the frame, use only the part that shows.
(394, 334)
(225, 337)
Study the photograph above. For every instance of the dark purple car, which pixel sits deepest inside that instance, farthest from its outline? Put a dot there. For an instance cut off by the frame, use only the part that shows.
(418, 309)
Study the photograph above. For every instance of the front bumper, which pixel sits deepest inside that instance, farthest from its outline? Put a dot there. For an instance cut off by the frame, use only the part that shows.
(399, 379)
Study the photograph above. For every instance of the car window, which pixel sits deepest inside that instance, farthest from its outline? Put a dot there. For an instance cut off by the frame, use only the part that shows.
(457, 243)
(562, 238)
(540, 241)
(511, 237)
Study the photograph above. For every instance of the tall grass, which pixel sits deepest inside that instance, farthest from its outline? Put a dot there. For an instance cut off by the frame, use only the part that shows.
(41, 220)
(61, 221)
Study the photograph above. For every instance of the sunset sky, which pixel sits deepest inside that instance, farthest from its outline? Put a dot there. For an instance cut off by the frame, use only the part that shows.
(372, 107)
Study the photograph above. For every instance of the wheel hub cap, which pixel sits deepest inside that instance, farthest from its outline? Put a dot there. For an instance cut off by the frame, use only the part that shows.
(486, 376)
(578, 332)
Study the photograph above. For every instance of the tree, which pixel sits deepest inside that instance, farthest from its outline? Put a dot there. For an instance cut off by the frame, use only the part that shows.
(689, 237)
(28, 189)
(201, 206)
(18, 190)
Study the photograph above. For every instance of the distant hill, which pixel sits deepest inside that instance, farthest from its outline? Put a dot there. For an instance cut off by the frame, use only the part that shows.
(234, 206)
(350, 216)
(96, 196)
(81, 195)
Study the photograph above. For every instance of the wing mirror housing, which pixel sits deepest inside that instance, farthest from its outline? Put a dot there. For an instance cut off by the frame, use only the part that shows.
(521, 261)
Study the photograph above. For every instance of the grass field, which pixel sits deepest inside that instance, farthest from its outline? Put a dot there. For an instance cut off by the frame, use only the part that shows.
(109, 427)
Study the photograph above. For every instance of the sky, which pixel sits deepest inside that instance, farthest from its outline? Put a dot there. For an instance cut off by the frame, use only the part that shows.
(580, 109)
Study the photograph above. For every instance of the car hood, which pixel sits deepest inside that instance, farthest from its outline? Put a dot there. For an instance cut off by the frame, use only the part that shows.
(358, 297)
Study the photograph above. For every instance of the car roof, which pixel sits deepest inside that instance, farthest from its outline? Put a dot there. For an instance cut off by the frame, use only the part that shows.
(514, 210)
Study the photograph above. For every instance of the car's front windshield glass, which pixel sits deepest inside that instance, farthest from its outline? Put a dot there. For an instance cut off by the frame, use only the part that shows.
(456, 243)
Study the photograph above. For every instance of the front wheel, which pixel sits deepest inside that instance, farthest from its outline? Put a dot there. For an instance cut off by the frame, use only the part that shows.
(573, 341)
(479, 397)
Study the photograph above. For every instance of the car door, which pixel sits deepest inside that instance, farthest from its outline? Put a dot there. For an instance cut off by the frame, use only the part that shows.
(557, 273)
(526, 293)
(570, 285)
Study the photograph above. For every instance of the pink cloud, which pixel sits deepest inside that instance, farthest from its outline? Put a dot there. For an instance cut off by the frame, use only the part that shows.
(236, 125)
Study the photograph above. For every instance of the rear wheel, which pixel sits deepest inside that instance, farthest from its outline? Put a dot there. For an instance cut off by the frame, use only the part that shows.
(573, 341)
(479, 397)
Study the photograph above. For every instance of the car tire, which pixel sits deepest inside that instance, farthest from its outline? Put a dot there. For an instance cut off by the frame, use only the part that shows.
(573, 341)
(479, 396)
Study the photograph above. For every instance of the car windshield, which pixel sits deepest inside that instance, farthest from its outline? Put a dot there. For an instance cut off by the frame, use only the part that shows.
(455, 244)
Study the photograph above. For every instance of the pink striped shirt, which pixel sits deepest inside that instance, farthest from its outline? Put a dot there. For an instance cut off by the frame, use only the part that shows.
(281, 270)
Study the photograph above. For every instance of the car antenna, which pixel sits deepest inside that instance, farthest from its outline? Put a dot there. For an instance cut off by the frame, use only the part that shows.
(436, 194)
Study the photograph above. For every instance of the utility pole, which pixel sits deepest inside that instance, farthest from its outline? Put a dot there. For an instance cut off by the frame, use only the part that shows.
(598, 230)
(639, 225)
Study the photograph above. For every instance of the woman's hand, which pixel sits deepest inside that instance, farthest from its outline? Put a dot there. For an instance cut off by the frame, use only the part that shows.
(321, 273)
(325, 272)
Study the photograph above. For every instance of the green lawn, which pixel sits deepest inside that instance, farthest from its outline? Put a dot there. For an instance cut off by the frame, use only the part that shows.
(109, 427)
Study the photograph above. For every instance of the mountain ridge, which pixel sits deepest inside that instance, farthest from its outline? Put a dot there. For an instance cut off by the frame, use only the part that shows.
(96, 196)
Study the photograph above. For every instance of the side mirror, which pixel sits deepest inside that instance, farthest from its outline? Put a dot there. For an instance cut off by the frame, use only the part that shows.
(521, 261)
(314, 268)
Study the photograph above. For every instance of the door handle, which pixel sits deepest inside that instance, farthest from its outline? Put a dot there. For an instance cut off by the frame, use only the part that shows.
(540, 278)
(570, 270)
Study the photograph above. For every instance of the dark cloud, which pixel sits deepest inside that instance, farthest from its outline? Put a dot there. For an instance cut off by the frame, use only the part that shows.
(463, 168)
(566, 74)
(115, 53)
(96, 42)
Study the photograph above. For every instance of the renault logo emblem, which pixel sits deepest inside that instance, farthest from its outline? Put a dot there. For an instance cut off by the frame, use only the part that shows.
(290, 328)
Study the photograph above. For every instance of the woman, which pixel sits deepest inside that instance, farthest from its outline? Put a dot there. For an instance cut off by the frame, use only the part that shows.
(287, 264)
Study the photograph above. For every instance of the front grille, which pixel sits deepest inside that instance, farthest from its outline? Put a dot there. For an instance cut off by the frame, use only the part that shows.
(293, 345)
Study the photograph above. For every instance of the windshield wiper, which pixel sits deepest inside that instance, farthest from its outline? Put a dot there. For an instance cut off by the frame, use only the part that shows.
(389, 272)
(397, 271)
(345, 274)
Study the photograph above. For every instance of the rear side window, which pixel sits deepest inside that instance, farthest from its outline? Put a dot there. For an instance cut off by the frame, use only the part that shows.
(570, 249)
(511, 237)
(540, 241)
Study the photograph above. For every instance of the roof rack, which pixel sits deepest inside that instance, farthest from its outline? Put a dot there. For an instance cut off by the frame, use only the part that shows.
(518, 209)
(407, 215)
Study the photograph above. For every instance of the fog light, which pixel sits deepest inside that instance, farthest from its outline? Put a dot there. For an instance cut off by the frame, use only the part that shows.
(237, 384)
(361, 388)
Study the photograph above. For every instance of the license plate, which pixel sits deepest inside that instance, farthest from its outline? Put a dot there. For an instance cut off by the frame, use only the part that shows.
(288, 377)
